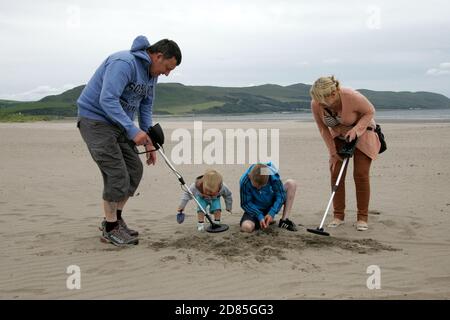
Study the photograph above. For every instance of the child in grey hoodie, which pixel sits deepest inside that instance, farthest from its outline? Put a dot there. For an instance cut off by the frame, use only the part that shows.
(207, 189)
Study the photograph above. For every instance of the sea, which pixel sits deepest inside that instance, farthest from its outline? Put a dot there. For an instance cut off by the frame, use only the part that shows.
(409, 115)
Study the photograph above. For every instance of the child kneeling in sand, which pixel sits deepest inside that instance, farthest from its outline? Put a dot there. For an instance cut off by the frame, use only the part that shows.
(262, 196)
(207, 189)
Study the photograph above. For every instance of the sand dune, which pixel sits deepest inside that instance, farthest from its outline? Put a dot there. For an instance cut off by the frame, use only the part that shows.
(50, 212)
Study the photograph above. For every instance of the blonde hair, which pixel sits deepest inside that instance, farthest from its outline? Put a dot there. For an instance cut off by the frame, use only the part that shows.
(324, 87)
(212, 181)
(257, 175)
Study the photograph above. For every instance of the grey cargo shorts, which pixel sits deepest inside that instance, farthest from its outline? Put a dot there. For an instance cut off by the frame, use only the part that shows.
(120, 166)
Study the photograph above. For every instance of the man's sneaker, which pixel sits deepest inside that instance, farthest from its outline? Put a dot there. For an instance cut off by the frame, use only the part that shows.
(200, 226)
(124, 226)
(287, 224)
(119, 237)
(122, 223)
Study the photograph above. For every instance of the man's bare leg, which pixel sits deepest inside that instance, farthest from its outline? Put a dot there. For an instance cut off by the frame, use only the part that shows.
(122, 203)
(110, 209)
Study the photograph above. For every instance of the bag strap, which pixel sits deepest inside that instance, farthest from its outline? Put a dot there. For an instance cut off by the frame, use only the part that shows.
(329, 112)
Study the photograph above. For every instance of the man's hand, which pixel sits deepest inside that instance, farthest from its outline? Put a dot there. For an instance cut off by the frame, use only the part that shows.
(141, 138)
(151, 156)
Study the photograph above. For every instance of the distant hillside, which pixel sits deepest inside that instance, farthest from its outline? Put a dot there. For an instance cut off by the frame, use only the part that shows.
(175, 98)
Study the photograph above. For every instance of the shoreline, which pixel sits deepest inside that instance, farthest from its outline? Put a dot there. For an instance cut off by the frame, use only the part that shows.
(234, 120)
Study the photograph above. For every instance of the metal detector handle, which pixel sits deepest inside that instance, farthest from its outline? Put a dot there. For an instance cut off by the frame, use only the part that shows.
(334, 191)
(156, 135)
(143, 152)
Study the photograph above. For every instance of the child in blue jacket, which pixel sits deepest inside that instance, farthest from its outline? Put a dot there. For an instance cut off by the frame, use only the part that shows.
(262, 196)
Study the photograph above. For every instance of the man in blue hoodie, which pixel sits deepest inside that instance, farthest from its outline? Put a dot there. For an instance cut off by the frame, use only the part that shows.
(122, 86)
(262, 196)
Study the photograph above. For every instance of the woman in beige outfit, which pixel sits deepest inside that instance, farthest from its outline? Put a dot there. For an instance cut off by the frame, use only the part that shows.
(340, 114)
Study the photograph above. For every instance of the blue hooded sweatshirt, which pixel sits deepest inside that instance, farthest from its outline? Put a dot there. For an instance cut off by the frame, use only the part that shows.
(119, 88)
(269, 199)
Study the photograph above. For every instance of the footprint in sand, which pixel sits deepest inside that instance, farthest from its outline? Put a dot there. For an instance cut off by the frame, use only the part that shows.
(168, 258)
(47, 253)
(46, 236)
(388, 223)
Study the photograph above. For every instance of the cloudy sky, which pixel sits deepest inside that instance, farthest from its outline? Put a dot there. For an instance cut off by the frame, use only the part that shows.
(403, 45)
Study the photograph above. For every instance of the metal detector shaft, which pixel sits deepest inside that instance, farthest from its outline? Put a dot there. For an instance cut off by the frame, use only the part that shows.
(180, 178)
(334, 191)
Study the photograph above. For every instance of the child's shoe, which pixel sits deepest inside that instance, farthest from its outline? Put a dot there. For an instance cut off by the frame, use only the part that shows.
(200, 226)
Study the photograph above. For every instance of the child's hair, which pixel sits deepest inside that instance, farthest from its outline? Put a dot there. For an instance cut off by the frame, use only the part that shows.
(212, 180)
(259, 175)
(324, 87)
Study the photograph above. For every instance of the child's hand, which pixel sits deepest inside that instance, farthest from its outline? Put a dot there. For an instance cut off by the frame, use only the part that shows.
(262, 223)
(267, 220)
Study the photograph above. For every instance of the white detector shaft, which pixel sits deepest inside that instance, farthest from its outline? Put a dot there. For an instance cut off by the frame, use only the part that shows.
(334, 191)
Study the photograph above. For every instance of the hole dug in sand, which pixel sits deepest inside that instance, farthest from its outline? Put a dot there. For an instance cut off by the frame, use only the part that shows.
(235, 246)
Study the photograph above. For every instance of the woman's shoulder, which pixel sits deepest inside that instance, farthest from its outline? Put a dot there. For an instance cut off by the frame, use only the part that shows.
(315, 105)
(349, 92)
(353, 96)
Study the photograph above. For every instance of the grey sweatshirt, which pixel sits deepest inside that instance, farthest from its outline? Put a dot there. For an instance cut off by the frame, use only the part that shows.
(196, 189)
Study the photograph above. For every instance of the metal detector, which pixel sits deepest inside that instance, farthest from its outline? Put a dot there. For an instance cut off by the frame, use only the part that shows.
(347, 152)
(157, 136)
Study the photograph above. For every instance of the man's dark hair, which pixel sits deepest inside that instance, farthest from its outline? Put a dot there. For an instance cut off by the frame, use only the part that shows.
(168, 48)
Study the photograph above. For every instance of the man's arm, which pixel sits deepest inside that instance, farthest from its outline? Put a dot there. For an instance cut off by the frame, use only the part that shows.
(146, 111)
(116, 77)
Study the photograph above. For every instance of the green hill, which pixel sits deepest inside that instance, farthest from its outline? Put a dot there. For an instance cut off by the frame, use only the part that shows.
(406, 100)
(176, 98)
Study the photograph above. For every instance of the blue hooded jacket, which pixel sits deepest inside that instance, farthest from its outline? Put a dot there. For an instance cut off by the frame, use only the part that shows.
(119, 88)
(269, 199)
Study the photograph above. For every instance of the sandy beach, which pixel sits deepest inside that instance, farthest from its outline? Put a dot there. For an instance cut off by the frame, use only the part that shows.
(50, 210)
